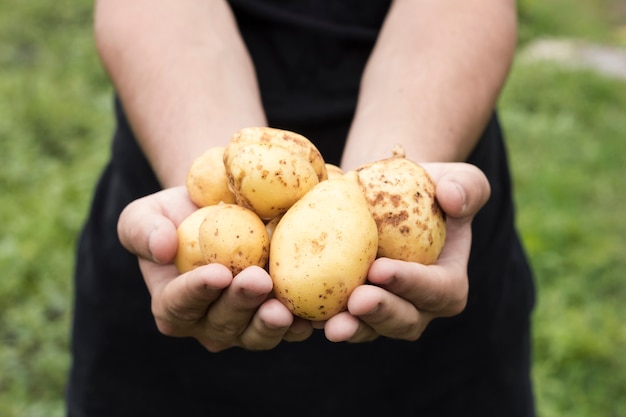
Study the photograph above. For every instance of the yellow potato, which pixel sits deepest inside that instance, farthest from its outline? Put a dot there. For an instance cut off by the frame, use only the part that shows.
(401, 197)
(233, 236)
(267, 178)
(206, 180)
(270, 226)
(295, 142)
(333, 171)
(322, 249)
(188, 256)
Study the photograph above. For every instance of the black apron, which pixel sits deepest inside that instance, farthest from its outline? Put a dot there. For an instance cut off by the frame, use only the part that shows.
(309, 56)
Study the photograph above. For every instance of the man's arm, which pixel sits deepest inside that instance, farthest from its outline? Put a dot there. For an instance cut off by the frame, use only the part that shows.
(184, 76)
(430, 85)
(187, 83)
(433, 79)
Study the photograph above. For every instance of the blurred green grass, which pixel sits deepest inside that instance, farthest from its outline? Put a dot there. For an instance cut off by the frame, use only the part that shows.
(54, 130)
(567, 139)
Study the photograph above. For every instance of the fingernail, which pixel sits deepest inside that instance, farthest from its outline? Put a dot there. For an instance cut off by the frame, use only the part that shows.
(372, 311)
(252, 294)
(461, 192)
(318, 325)
(150, 243)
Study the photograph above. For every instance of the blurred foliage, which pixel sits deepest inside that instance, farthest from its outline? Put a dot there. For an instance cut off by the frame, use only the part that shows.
(594, 20)
(54, 132)
(566, 134)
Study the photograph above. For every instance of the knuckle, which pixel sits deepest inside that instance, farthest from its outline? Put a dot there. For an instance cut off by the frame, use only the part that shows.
(457, 306)
(214, 346)
(447, 299)
(225, 330)
(411, 330)
(167, 328)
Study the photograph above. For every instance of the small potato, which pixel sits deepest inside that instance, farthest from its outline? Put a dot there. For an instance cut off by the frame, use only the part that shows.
(401, 197)
(322, 249)
(267, 178)
(188, 256)
(295, 142)
(233, 236)
(206, 180)
(334, 171)
(270, 225)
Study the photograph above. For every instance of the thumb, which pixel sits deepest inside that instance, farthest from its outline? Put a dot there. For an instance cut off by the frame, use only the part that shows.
(147, 226)
(462, 188)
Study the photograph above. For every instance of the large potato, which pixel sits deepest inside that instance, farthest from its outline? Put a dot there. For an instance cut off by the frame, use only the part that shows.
(188, 256)
(267, 178)
(401, 197)
(296, 143)
(206, 180)
(233, 236)
(322, 249)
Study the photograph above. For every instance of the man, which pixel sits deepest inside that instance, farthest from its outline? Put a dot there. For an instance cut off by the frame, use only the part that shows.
(356, 78)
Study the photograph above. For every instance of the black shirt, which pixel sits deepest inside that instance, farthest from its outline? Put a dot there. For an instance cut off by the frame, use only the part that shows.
(309, 56)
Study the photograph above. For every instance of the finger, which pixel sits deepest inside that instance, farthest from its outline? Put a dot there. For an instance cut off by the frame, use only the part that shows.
(268, 327)
(299, 330)
(386, 313)
(229, 316)
(179, 304)
(147, 226)
(344, 327)
(440, 288)
(462, 188)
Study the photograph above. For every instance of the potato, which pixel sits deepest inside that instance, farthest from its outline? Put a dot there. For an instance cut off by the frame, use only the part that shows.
(270, 226)
(322, 249)
(233, 236)
(267, 178)
(188, 256)
(401, 197)
(206, 180)
(295, 142)
(333, 171)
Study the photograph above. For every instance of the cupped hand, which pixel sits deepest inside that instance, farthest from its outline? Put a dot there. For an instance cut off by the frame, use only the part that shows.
(222, 311)
(402, 298)
(208, 303)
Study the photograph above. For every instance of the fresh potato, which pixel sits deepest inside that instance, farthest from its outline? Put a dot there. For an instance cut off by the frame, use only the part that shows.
(267, 178)
(401, 197)
(295, 142)
(233, 236)
(206, 180)
(322, 249)
(333, 171)
(270, 226)
(188, 256)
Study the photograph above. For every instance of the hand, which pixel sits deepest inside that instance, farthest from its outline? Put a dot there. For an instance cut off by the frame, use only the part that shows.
(401, 298)
(208, 303)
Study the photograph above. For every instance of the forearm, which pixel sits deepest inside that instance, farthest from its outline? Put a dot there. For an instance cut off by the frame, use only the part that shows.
(183, 74)
(433, 79)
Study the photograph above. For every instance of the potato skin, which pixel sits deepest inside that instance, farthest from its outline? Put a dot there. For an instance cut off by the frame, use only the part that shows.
(294, 142)
(189, 256)
(333, 171)
(267, 178)
(271, 224)
(206, 179)
(401, 196)
(233, 236)
(322, 249)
